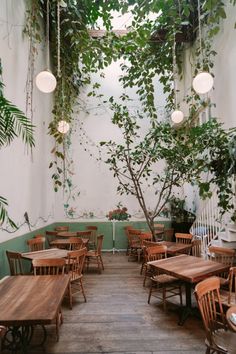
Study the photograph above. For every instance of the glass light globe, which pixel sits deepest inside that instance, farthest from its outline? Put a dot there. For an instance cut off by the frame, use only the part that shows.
(177, 116)
(46, 81)
(203, 82)
(63, 127)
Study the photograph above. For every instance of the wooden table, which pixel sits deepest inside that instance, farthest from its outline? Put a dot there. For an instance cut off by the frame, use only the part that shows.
(190, 270)
(173, 247)
(67, 234)
(66, 242)
(29, 300)
(229, 312)
(47, 254)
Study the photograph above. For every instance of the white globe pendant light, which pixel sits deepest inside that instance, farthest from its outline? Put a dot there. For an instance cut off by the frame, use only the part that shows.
(46, 81)
(203, 82)
(63, 127)
(177, 116)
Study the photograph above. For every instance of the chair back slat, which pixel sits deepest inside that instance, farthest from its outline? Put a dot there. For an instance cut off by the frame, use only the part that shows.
(15, 262)
(52, 266)
(36, 244)
(75, 263)
(183, 238)
(62, 228)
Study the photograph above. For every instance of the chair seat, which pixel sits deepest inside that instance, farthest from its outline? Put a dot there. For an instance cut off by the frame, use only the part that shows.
(224, 297)
(92, 254)
(165, 278)
(225, 340)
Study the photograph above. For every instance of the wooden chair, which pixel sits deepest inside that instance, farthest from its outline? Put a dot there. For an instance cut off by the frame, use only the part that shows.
(36, 244)
(183, 238)
(196, 249)
(135, 248)
(85, 234)
(75, 264)
(15, 262)
(76, 243)
(51, 235)
(218, 339)
(145, 243)
(127, 228)
(222, 255)
(61, 228)
(96, 255)
(228, 297)
(93, 237)
(169, 234)
(166, 286)
(53, 266)
(159, 232)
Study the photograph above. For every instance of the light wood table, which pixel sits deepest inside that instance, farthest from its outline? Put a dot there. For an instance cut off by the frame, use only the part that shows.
(66, 242)
(26, 301)
(190, 270)
(47, 254)
(229, 312)
(173, 247)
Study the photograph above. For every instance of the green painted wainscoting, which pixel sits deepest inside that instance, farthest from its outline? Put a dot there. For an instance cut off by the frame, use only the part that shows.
(107, 228)
(18, 244)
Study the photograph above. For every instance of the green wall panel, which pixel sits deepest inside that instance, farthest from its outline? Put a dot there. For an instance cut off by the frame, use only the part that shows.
(107, 228)
(17, 244)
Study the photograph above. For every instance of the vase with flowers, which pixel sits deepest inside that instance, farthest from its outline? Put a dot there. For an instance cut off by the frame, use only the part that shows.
(119, 214)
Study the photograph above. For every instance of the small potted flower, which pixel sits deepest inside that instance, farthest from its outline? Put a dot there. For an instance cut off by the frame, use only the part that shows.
(120, 213)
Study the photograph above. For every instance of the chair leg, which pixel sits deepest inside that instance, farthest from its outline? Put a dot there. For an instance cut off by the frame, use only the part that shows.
(150, 293)
(164, 297)
(180, 296)
(101, 262)
(70, 295)
(82, 288)
(98, 263)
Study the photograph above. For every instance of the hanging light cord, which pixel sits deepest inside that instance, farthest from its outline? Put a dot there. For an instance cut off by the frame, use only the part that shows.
(58, 41)
(47, 36)
(200, 34)
(174, 73)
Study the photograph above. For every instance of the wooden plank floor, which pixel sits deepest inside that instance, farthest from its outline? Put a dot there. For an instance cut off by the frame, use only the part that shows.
(117, 319)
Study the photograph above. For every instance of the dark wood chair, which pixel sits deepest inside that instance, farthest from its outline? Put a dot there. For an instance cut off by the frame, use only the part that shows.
(159, 232)
(163, 286)
(228, 297)
(135, 248)
(127, 228)
(36, 244)
(62, 228)
(93, 237)
(75, 265)
(196, 249)
(225, 256)
(53, 266)
(76, 243)
(183, 238)
(15, 262)
(218, 338)
(96, 256)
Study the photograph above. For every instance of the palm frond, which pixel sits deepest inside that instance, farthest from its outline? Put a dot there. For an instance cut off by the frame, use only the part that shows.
(13, 123)
(4, 217)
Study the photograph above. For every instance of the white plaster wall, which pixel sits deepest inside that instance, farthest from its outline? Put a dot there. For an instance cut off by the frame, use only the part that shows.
(24, 177)
(93, 179)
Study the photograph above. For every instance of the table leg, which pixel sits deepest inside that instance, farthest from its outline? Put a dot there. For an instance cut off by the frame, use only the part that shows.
(187, 310)
(18, 338)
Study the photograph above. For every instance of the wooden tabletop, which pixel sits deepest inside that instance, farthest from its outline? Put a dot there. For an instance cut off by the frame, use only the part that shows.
(66, 241)
(188, 268)
(175, 247)
(229, 312)
(66, 234)
(28, 300)
(47, 254)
